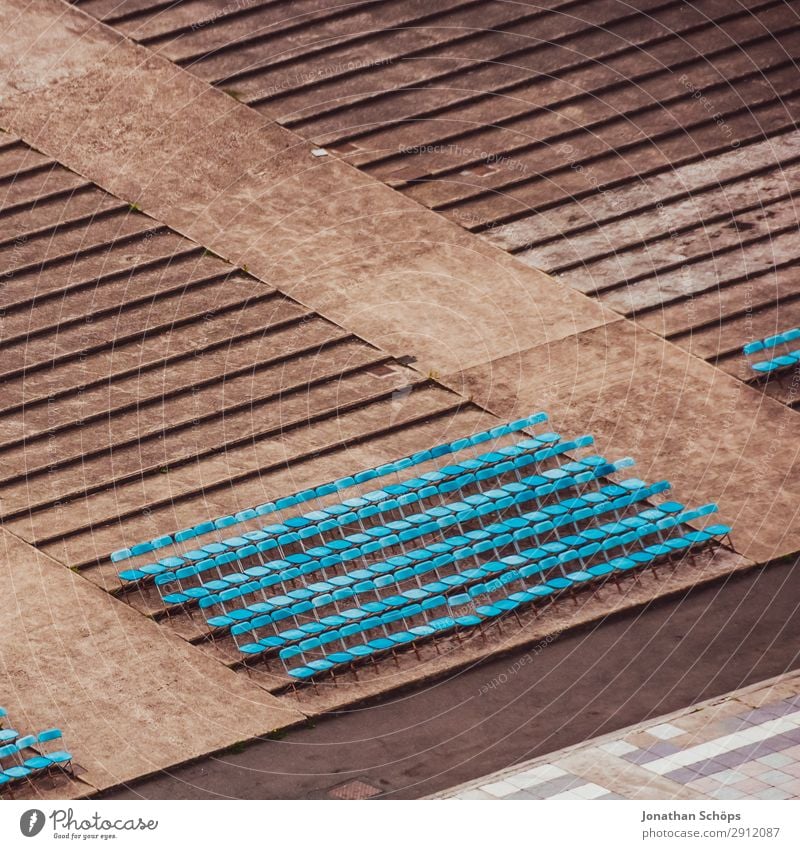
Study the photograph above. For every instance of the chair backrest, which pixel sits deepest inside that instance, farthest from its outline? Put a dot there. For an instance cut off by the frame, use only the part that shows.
(289, 652)
(7, 751)
(392, 616)
(26, 742)
(459, 599)
(50, 734)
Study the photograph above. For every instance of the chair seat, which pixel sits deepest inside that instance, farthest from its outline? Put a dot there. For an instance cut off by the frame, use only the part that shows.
(38, 763)
(175, 598)
(443, 624)
(380, 644)
(131, 575)
(321, 665)
(697, 536)
(580, 576)
(17, 772)
(454, 580)
(522, 597)
(252, 648)
(240, 615)
(468, 621)
(59, 757)
(272, 642)
(360, 651)
(302, 673)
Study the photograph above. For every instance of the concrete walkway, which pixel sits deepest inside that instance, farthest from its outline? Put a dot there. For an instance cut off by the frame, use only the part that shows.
(745, 745)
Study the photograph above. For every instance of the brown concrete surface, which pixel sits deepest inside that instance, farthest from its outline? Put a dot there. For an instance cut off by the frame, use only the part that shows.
(395, 275)
(151, 133)
(713, 437)
(606, 142)
(503, 711)
(130, 697)
(320, 231)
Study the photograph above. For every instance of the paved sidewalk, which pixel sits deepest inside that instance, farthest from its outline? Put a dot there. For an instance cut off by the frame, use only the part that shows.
(745, 745)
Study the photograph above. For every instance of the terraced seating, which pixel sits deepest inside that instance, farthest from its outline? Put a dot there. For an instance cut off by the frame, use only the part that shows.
(553, 557)
(329, 488)
(774, 353)
(375, 538)
(29, 757)
(612, 498)
(338, 517)
(517, 525)
(463, 611)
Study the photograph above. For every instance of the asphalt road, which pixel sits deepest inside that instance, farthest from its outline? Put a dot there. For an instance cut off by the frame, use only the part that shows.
(619, 672)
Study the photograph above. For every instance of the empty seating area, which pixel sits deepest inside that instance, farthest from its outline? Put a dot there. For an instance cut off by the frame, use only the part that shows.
(774, 354)
(25, 758)
(445, 552)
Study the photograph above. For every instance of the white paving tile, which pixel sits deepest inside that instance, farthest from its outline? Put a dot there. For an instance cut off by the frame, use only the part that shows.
(617, 747)
(524, 780)
(706, 751)
(569, 794)
(475, 794)
(665, 731)
(776, 760)
(499, 789)
(545, 772)
(591, 791)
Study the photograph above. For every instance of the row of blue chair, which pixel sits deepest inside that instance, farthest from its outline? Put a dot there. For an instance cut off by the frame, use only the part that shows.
(569, 512)
(369, 539)
(300, 529)
(329, 488)
(321, 558)
(30, 756)
(789, 356)
(463, 612)
(539, 560)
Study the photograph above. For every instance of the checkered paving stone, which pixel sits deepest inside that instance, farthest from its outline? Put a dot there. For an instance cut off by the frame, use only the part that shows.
(744, 746)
